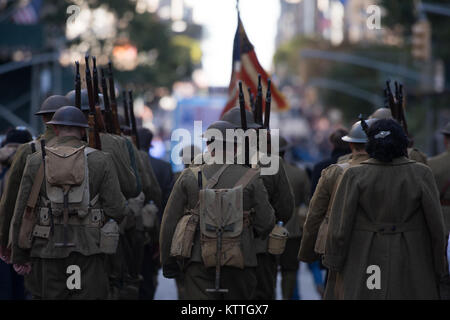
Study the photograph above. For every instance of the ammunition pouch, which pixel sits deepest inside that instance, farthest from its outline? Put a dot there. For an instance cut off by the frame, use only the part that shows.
(109, 237)
(231, 252)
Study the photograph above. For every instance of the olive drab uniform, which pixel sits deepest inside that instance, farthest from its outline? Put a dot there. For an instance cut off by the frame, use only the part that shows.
(241, 283)
(388, 215)
(79, 235)
(417, 155)
(9, 196)
(300, 184)
(124, 160)
(440, 165)
(315, 227)
(281, 199)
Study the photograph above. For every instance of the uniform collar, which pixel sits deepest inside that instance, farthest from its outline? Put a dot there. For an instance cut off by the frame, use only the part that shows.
(69, 141)
(49, 133)
(395, 162)
(359, 157)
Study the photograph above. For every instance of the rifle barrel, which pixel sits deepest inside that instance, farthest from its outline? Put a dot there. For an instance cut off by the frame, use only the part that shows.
(112, 96)
(133, 120)
(268, 103)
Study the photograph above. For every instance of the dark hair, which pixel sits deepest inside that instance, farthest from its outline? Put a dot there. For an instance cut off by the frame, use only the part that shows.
(392, 146)
(145, 138)
(18, 136)
(336, 139)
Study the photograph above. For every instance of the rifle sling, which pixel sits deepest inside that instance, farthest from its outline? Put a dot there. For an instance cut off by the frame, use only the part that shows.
(32, 199)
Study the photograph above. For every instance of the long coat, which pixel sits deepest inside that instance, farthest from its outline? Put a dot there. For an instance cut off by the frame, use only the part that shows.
(386, 215)
(440, 165)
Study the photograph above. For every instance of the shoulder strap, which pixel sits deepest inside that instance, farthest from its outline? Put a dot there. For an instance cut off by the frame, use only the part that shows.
(246, 178)
(32, 199)
(89, 150)
(344, 165)
(215, 178)
(33, 147)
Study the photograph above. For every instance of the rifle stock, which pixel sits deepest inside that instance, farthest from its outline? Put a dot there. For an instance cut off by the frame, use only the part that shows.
(113, 101)
(125, 108)
(109, 125)
(268, 103)
(77, 86)
(134, 134)
(94, 136)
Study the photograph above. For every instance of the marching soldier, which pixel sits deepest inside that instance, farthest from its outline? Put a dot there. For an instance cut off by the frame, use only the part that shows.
(315, 229)
(9, 196)
(386, 219)
(300, 184)
(281, 199)
(440, 165)
(67, 212)
(237, 264)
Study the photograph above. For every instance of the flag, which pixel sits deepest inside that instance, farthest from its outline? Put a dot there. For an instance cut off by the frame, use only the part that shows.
(245, 68)
(28, 14)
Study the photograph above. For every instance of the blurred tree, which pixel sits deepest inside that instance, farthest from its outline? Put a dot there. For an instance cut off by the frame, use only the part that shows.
(161, 58)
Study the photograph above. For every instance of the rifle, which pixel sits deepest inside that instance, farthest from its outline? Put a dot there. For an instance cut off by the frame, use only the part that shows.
(259, 102)
(98, 110)
(401, 107)
(94, 137)
(109, 124)
(125, 108)
(77, 86)
(391, 100)
(268, 102)
(112, 96)
(243, 122)
(364, 125)
(134, 134)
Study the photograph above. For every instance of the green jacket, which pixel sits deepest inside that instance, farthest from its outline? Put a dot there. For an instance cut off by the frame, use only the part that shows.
(281, 199)
(440, 165)
(103, 182)
(153, 189)
(9, 196)
(185, 196)
(117, 147)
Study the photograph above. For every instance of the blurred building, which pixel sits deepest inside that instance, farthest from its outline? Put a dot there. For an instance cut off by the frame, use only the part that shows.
(297, 17)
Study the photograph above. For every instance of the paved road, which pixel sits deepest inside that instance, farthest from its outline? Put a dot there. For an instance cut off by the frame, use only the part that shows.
(167, 289)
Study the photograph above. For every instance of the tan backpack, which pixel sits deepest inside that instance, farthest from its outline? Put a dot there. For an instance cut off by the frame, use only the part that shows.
(221, 217)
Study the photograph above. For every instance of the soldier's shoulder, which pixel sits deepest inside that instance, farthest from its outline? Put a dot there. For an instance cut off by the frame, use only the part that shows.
(440, 158)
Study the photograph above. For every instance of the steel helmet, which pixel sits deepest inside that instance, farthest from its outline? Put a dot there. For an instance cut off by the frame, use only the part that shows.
(234, 116)
(53, 103)
(222, 126)
(69, 116)
(381, 113)
(357, 134)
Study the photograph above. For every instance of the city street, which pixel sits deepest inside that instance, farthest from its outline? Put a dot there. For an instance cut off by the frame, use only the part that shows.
(167, 289)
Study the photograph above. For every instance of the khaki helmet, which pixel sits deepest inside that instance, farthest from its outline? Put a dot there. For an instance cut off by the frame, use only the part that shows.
(69, 116)
(357, 134)
(446, 129)
(381, 113)
(84, 99)
(222, 126)
(53, 103)
(234, 116)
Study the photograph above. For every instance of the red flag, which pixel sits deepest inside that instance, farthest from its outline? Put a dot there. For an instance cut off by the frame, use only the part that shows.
(246, 68)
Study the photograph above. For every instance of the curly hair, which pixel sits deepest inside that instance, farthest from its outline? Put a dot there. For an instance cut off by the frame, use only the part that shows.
(392, 146)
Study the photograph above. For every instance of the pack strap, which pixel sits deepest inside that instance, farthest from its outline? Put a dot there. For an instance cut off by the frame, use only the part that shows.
(32, 199)
(246, 178)
(215, 178)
